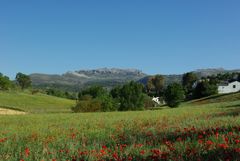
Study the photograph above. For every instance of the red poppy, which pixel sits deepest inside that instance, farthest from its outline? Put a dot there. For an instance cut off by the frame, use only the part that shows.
(200, 141)
(142, 152)
(3, 140)
(115, 156)
(200, 136)
(224, 146)
(237, 141)
(104, 147)
(209, 142)
(27, 152)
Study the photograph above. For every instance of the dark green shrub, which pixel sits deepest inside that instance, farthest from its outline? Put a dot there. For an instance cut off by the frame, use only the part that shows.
(87, 106)
(204, 89)
(174, 94)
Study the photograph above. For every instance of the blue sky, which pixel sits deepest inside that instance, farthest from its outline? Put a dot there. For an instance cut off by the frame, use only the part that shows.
(156, 36)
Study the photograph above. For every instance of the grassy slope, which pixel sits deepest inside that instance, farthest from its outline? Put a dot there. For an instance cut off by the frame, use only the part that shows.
(217, 98)
(37, 103)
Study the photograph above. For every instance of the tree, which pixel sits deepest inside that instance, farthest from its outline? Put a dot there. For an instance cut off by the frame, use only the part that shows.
(107, 103)
(204, 89)
(150, 86)
(131, 96)
(188, 81)
(94, 91)
(24, 81)
(174, 94)
(5, 82)
(115, 92)
(158, 83)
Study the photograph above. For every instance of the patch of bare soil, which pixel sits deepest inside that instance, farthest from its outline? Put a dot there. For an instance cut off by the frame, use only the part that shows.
(4, 111)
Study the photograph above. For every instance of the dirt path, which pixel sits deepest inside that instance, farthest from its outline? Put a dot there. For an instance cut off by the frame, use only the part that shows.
(4, 111)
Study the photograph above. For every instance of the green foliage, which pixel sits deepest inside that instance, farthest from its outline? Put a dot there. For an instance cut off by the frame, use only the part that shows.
(5, 82)
(108, 103)
(23, 80)
(59, 93)
(102, 103)
(115, 92)
(174, 95)
(158, 83)
(94, 91)
(148, 103)
(204, 89)
(155, 85)
(131, 97)
(95, 95)
(88, 106)
(150, 86)
(188, 80)
(85, 97)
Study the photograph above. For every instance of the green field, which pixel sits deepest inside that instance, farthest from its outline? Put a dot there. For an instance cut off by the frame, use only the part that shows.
(37, 103)
(205, 132)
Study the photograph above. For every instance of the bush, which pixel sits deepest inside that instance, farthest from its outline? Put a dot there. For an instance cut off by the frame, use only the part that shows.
(88, 106)
(148, 103)
(102, 103)
(108, 103)
(85, 98)
(5, 82)
(94, 91)
(174, 94)
(62, 94)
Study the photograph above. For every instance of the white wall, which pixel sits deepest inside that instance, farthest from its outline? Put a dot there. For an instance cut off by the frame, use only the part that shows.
(229, 88)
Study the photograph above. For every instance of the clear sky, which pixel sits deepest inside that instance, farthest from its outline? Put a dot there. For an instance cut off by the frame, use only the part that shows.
(156, 36)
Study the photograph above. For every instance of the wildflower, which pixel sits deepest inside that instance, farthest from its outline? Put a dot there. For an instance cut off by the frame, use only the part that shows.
(142, 152)
(200, 136)
(200, 141)
(237, 141)
(104, 147)
(224, 146)
(209, 142)
(179, 139)
(226, 140)
(3, 140)
(115, 156)
(156, 151)
(103, 152)
(237, 150)
(27, 152)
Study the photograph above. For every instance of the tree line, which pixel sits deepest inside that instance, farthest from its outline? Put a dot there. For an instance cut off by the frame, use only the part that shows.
(132, 95)
(136, 96)
(21, 80)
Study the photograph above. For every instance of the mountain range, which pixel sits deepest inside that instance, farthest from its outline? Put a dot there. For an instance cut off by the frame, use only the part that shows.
(106, 77)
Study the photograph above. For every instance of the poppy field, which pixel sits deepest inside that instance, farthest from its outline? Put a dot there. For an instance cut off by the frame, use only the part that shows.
(200, 132)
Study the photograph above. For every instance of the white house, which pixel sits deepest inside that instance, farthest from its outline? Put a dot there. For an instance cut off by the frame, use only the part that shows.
(158, 101)
(229, 87)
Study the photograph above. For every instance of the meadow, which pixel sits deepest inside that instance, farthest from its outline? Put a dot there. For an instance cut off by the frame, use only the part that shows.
(34, 103)
(205, 131)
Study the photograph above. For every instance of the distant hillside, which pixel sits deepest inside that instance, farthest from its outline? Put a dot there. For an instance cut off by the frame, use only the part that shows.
(37, 103)
(107, 77)
(214, 71)
(200, 73)
(73, 81)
